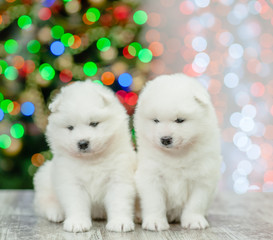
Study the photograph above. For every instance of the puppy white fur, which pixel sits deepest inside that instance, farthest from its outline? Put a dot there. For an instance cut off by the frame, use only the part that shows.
(91, 173)
(178, 152)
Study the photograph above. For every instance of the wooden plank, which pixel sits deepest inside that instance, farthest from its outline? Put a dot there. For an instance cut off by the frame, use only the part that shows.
(232, 217)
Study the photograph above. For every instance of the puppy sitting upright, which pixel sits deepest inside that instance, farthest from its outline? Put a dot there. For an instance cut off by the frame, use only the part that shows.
(91, 173)
(178, 152)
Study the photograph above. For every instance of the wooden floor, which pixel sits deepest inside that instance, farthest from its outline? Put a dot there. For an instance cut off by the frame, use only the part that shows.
(246, 217)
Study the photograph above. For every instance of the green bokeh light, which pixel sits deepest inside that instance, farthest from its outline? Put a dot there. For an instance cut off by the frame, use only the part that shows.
(17, 130)
(134, 48)
(7, 106)
(11, 73)
(145, 55)
(133, 136)
(24, 22)
(3, 66)
(57, 31)
(93, 14)
(33, 46)
(103, 44)
(140, 17)
(67, 39)
(1, 97)
(5, 141)
(98, 82)
(90, 68)
(11, 46)
(47, 72)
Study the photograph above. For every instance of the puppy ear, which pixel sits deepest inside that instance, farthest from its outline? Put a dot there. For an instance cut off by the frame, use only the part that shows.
(107, 100)
(54, 105)
(202, 98)
(106, 96)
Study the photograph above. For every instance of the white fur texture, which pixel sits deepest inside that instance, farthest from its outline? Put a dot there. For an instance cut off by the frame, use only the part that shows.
(176, 182)
(96, 181)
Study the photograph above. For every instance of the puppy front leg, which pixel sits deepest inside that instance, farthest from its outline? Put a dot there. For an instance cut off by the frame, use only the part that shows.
(119, 204)
(76, 204)
(193, 216)
(153, 204)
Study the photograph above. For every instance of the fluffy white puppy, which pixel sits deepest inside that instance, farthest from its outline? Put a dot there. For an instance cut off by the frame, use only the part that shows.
(178, 152)
(92, 170)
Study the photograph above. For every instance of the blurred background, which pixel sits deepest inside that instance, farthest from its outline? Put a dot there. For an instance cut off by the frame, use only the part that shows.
(226, 44)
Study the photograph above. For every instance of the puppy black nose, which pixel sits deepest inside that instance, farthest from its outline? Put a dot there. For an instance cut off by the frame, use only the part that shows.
(83, 144)
(166, 140)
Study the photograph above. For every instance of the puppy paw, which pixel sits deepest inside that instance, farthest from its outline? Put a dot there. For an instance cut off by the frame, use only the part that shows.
(155, 224)
(77, 224)
(120, 225)
(54, 214)
(194, 221)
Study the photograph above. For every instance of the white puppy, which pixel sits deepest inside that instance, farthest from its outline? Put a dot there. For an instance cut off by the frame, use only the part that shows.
(178, 152)
(92, 171)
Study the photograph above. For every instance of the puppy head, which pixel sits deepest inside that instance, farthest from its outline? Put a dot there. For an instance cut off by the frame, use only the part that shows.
(84, 118)
(172, 112)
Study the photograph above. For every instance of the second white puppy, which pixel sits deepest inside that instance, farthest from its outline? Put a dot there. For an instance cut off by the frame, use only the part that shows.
(178, 152)
(91, 173)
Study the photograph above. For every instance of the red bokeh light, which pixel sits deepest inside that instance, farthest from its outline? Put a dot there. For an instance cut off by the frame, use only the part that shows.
(44, 13)
(66, 75)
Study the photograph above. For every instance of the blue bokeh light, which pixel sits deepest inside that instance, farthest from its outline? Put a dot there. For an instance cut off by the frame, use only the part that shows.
(27, 108)
(2, 114)
(57, 48)
(48, 3)
(125, 80)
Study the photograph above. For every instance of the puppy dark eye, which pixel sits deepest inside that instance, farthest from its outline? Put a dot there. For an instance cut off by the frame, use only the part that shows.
(70, 128)
(94, 124)
(156, 120)
(179, 120)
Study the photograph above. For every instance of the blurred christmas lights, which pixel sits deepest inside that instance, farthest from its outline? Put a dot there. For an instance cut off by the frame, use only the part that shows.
(93, 14)
(90, 68)
(5, 141)
(140, 17)
(2, 114)
(57, 48)
(24, 22)
(57, 31)
(27, 108)
(125, 80)
(33, 46)
(103, 44)
(11, 46)
(108, 78)
(47, 71)
(17, 130)
(227, 45)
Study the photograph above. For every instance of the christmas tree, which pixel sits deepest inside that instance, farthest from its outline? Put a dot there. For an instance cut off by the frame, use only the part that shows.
(48, 44)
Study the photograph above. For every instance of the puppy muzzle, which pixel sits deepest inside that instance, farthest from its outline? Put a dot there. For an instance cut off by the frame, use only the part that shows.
(166, 141)
(83, 145)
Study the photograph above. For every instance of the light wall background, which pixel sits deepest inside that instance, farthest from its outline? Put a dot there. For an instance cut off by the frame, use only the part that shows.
(228, 46)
